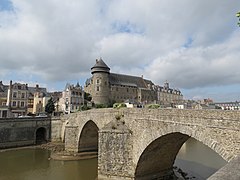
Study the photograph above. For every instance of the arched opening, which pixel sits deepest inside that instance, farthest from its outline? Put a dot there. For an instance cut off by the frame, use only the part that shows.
(160, 158)
(157, 159)
(196, 159)
(88, 140)
(41, 136)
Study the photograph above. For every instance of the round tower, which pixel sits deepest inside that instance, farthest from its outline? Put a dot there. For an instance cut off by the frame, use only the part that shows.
(100, 82)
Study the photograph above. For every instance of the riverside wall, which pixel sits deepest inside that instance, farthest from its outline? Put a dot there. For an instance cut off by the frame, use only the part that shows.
(16, 132)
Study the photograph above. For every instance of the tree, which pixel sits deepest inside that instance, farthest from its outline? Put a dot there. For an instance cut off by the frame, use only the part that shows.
(87, 96)
(50, 108)
(238, 16)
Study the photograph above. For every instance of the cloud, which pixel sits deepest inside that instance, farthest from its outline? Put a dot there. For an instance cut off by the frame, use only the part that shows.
(199, 66)
(190, 43)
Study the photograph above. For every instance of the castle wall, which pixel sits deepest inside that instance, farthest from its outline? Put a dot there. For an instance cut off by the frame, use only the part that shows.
(120, 93)
(106, 88)
(147, 96)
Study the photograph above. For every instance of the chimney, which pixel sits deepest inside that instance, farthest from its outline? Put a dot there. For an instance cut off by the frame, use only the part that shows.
(9, 96)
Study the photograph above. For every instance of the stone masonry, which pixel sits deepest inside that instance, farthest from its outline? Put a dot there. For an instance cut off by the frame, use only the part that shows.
(15, 132)
(143, 143)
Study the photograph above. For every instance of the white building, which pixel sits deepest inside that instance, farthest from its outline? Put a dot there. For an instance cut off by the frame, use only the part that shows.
(72, 98)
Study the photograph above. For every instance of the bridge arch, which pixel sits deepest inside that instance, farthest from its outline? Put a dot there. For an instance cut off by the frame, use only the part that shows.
(88, 138)
(41, 135)
(157, 154)
(158, 158)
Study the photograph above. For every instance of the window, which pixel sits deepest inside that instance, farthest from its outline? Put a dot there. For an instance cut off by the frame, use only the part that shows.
(98, 81)
(22, 104)
(23, 95)
(14, 94)
(97, 88)
(14, 103)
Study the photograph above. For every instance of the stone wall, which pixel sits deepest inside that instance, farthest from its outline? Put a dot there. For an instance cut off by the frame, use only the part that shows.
(57, 125)
(229, 171)
(115, 151)
(16, 132)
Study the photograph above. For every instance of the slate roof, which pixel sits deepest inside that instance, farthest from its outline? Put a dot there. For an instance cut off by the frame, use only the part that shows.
(127, 80)
(3, 90)
(32, 90)
(100, 64)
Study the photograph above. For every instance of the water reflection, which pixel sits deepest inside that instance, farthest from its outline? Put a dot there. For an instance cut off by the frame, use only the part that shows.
(29, 164)
(33, 164)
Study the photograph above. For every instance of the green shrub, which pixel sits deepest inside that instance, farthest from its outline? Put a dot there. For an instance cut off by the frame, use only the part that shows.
(153, 106)
(84, 108)
(119, 105)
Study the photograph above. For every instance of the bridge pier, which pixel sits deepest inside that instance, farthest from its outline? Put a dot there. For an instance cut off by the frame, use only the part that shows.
(71, 134)
(115, 152)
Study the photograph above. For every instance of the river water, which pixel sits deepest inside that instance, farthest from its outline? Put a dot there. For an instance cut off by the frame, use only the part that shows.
(33, 164)
(198, 160)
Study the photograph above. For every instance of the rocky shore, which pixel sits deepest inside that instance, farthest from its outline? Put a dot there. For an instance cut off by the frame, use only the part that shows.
(181, 175)
(53, 147)
(58, 153)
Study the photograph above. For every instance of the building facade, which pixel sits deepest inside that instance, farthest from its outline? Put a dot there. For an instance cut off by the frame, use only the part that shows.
(4, 110)
(17, 99)
(72, 98)
(229, 105)
(37, 99)
(107, 88)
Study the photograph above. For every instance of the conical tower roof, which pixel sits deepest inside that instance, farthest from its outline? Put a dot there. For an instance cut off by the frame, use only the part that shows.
(100, 66)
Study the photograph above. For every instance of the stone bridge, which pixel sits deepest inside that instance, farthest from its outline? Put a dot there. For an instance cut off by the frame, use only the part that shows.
(143, 143)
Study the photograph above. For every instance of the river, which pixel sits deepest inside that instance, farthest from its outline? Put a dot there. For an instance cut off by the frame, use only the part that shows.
(33, 164)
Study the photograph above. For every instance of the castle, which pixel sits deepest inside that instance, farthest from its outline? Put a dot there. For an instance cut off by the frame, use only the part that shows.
(107, 88)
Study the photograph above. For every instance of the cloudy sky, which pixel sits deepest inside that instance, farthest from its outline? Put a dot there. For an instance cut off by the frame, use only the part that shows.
(193, 44)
